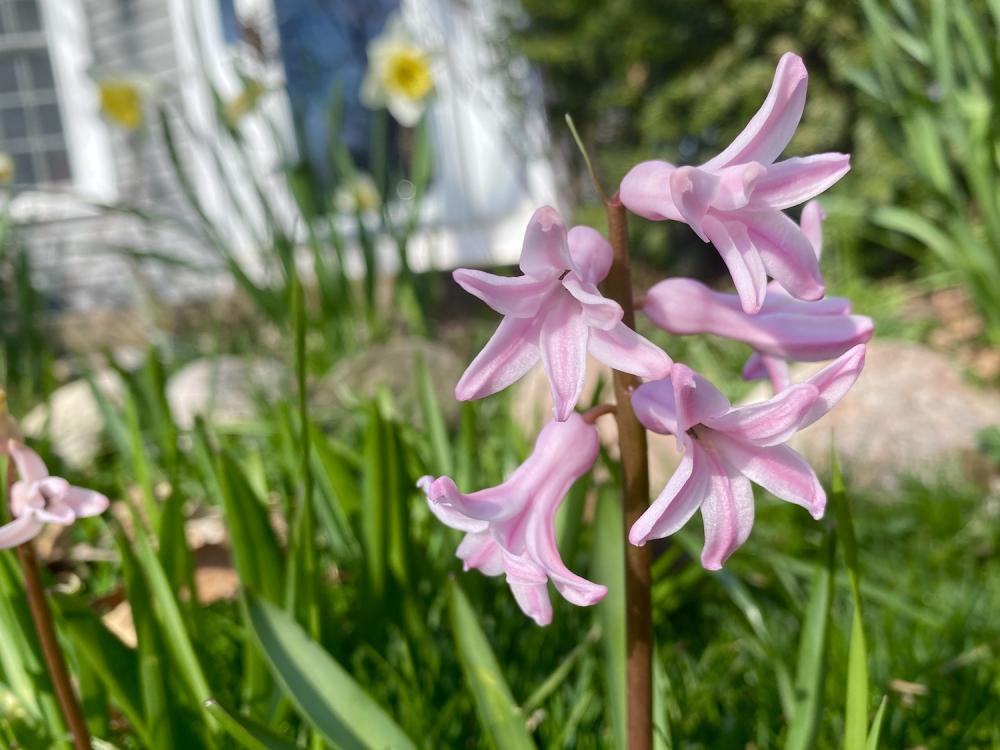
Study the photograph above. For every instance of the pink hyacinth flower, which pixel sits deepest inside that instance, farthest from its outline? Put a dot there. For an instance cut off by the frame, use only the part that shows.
(510, 529)
(784, 329)
(735, 200)
(726, 448)
(37, 499)
(554, 312)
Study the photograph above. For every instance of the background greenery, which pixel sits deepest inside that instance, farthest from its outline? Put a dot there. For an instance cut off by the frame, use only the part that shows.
(355, 626)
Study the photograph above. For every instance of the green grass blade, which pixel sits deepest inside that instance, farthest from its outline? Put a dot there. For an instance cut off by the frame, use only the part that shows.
(609, 569)
(498, 714)
(325, 694)
(245, 732)
(856, 718)
(434, 425)
(876, 728)
(812, 655)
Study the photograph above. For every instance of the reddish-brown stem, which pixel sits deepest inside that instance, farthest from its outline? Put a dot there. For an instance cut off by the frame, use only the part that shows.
(592, 415)
(42, 618)
(635, 499)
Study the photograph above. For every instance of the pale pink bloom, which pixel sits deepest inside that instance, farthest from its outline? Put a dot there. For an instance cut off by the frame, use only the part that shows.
(735, 200)
(554, 312)
(726, 448)
(37, 499)
(510, 529)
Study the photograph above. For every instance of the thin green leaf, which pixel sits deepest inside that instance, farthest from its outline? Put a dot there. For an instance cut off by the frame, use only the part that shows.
(876, 728)
(324, 693)
(609, 569)
(812, 655)
(500, 717)
(248, 733)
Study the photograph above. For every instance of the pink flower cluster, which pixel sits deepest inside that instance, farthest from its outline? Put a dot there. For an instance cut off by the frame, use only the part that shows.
(556, 313)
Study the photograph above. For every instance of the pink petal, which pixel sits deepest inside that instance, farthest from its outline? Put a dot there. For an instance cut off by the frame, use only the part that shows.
(30, 467)
(787, 254)
(834, 381)
(55, 512)
(677, 502)
(770, 130)
(727, 512)
(510, 353)
(770, 422)
(598, 310)
(461, 511)
(693, 191)
(645, 191)
(784, 328)
(623, 349)
(529, 585)
(778, 469)
(481, 552)
(540, 543)
(760, 366)
(780, 301)
(591, 254)
(455, 519)
(793, 181)
(740, 255)
(695, 397)
(653, 404)
(86, 502)
(533, 599)
(545, 252)
(736, 185)
(811, 224)
(517, 296)
(563, 343)
(19, 531)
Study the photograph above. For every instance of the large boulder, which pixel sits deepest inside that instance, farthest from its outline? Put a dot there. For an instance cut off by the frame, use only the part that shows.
(911, 414)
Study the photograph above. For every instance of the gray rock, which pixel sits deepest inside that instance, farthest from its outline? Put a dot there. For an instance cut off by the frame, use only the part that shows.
(224, 390)
(392, 367)
(72, 420)
(911, 414)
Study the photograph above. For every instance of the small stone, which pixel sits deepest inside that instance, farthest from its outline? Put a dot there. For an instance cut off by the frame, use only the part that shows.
(224, 390)
(72, 419)
(392, 367)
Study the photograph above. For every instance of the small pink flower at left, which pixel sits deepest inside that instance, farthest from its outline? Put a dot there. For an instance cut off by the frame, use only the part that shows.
(554, 312)
(510, 528)
(37, 498)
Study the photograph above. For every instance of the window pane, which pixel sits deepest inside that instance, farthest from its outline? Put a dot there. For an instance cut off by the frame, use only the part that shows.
(58, 165)
(47, 117)
(24, 169)
(8, 74)
(41, 70)
(26, 12)
(14, 123)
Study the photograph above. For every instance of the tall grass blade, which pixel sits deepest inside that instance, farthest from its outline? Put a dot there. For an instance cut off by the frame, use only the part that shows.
(324, 693)
(499, 715)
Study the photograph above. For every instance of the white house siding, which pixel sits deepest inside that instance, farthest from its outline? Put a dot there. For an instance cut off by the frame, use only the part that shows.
(77, 251)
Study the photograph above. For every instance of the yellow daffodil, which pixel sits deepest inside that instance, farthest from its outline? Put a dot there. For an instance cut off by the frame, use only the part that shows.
(122, 102)
(398, 76)
(6, 168)
(243, 103)
(359, 194)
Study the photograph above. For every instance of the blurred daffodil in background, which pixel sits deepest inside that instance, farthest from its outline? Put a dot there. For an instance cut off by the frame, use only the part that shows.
(122, 100)
(399, 74)
(357, 195)
(244, 102)
(7, 169)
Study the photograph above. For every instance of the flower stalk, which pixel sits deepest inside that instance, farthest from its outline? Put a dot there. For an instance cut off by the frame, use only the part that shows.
(41, 616)
(635, 498)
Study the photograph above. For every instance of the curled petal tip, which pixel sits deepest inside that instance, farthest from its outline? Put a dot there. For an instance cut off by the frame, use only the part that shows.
(548, 218)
